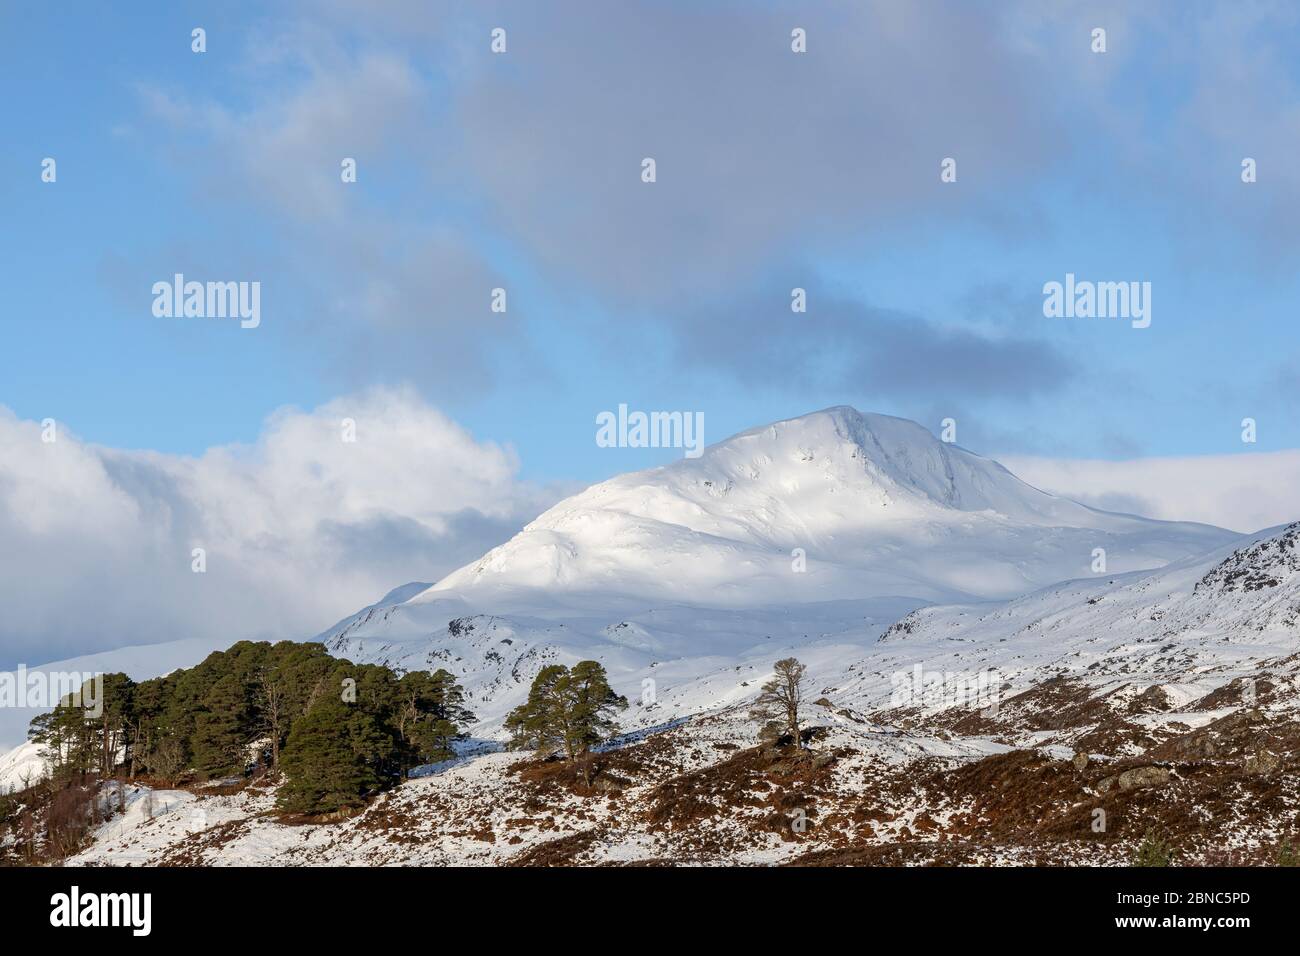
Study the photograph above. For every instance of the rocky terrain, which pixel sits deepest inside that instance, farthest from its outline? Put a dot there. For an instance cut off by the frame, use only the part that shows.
(1219, 786)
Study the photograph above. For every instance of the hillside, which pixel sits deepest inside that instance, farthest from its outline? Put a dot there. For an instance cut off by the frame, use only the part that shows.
(1150, 703)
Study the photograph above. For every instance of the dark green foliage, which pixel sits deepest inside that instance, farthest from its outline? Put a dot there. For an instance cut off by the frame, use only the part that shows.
(1153, 851)
(331, 759)
(430, 715)
(221, 729)
(260, 706)
(538, 723)
(567, 711)
(114, 722)
(86, 735)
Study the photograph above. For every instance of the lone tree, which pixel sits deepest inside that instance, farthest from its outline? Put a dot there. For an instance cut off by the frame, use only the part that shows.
(777, 707)
(567, 711)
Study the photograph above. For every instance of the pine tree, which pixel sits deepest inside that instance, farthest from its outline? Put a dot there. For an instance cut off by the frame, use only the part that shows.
(592, 703)
(205, 719)
(449, 699)
(329, 758)
(117, 713)
(539, 723)
(272, 708)
(776, 709)
(68, 737)
(146, 729)
(222, 729)
(567, 711)
(430, 716)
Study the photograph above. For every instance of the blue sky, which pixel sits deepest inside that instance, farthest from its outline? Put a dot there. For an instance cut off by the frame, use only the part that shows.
(522, 171)
(1128, 185)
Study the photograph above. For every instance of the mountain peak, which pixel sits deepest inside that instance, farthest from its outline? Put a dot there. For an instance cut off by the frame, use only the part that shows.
(891, 459)
(872, 505)
(847, 421)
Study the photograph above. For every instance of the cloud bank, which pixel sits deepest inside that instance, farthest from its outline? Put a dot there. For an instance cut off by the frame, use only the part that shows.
(1246, 492)
(297, 530)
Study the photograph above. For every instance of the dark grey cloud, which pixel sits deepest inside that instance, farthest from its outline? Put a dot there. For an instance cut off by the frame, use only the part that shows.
(867, 351)
(760, 152)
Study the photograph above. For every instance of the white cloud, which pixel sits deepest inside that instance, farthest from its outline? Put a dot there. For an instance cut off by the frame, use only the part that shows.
(299, 528)
(1243, 492)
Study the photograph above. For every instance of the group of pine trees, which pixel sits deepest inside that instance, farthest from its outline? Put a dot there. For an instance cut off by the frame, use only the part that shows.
(337, 730)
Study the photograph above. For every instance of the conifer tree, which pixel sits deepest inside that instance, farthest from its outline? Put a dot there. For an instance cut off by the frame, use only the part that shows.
(329, 758)
(430, 715)
(116, 714)
(539, 723)
(206, 719)
(567, 711)
(592, 703)
(221, 729)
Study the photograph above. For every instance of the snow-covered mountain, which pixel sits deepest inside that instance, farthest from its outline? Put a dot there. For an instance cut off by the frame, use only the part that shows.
(877, 504)
(824, 528)
(814, 533)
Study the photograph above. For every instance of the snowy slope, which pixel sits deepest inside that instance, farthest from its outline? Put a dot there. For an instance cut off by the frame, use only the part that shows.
(1146, 663)
(1188, 629)
(454, 815)
(21, 767)
(878, 505)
